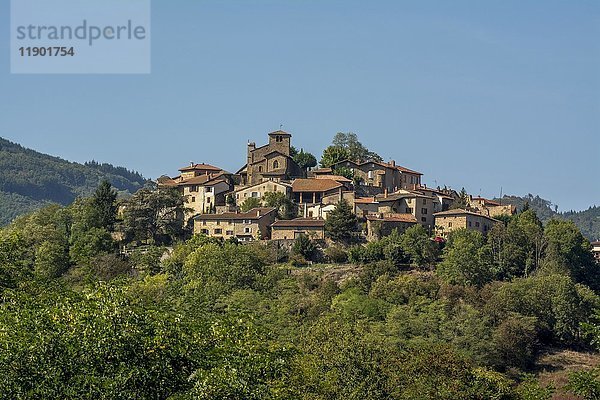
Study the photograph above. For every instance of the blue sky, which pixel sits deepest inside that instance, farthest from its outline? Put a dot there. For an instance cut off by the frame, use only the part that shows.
(480, 94)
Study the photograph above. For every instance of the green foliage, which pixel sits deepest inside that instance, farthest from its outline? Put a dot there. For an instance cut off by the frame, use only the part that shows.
(585, 384)
(92, 345)
(341, 223)
(466, 260)
(306, 248)
(286, 209)
(155, 216)
(514, 342)
(345, 146)
(567, 250)
(104, 206)
(305, 160)
(417, 244)
(250, 203)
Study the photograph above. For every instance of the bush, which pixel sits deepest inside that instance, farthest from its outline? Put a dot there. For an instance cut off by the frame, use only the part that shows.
(336, 254)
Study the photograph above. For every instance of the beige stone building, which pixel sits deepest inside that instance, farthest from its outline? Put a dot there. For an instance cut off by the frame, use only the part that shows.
(203, 187)
(380, 225)
(451, 220)
(270, 162)
(387, 176)
(490, 208)
(317, 197)
(420, 206)
(252, 225)
(258, 190)
(314, 228)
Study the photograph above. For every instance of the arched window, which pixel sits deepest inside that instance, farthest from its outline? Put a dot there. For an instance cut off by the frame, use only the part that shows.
(275, 164)
(260, 168)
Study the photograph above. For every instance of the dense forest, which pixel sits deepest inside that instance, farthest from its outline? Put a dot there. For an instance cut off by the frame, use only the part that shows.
(192, 317)
(588, 221)
(30, 180)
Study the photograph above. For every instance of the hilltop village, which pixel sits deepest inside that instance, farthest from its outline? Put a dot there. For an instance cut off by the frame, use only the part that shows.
(383, 195)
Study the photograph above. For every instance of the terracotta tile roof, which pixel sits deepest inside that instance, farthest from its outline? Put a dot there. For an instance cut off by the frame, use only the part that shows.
(253, 214)
(314, 185)
(201, 166)
(166, 181)
(338, 178)
(280, 133)
(300, 223)
(382, 164)
(204, 180)
(321, 171)
(486, 201)
(365, 200)
(408, 218)
(242, 188)
(460, 211)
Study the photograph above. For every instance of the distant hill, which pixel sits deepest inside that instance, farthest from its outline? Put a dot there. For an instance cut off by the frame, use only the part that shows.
(588, 220)
(30, 180)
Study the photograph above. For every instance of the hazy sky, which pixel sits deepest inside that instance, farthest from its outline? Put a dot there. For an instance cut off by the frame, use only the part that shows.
(480, 94)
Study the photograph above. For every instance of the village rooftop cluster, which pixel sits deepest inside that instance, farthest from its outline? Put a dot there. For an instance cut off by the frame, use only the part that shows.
(383, 195)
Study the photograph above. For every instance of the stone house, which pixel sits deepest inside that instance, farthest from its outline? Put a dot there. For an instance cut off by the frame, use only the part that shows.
(317, 197)
(291, 229)
(420, 206)
(258, 190)
(270, 162)
(252, 225)
(203, 187)
(491, 208)
(380, 225)
(451, 220)
(386, 176)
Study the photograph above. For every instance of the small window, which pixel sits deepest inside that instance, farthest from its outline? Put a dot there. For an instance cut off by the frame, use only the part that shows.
(449, 224)
(260, 168)
(423, 219)
(209, 189)
(230, 233)
(477, 224)
(469, 223)
(247, 230)
(275, 164)
(204, 231)
(204, 223)
(424, 201)
(409, 210)
(218, 222)
(370, 174)
(208, 199)
(218, 231)
(255, 194)
(423, 211)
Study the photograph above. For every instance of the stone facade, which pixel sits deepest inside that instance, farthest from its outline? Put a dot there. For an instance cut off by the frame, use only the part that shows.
(258, 190)
(388, 176)
(451, 220)
(382, 225)
(291, 229)
(252, 225)
(271, 161)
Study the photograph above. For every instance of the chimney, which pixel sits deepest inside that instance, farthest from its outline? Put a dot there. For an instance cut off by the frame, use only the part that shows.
(393, 163)
(385, 193)
(258, 213)
(191, 163)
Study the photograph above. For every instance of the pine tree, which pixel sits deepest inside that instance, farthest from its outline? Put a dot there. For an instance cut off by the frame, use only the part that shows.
(341, 223)
(104, 203)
